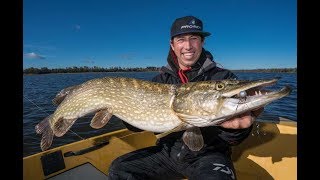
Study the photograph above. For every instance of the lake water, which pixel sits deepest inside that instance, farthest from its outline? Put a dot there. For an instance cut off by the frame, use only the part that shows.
(39, 90)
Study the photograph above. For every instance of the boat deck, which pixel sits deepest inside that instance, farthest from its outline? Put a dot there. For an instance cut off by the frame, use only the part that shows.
(269, 153)
(83, 172)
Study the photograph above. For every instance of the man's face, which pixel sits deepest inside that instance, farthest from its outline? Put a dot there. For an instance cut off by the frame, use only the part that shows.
(187, 48)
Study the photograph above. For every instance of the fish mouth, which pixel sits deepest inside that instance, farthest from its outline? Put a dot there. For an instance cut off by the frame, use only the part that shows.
(235, 104)
(260, 96)
(247, 87)
(251, 96)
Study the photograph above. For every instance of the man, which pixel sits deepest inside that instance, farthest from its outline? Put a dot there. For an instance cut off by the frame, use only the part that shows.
(171, 158)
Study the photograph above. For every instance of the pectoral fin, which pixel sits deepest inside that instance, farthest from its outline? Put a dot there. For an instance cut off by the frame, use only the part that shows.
(193, 138)
(101, 118)
(190, 119)
(180, 127)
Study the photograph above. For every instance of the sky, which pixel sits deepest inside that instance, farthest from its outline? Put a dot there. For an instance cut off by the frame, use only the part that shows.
(245, 34)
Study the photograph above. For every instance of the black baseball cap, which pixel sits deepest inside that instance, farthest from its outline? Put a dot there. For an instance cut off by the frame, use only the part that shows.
(187, 24)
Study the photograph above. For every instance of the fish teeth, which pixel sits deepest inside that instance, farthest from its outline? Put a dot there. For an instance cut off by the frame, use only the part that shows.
(257, 93)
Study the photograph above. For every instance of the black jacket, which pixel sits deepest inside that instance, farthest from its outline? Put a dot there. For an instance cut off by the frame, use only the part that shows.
(215, 137)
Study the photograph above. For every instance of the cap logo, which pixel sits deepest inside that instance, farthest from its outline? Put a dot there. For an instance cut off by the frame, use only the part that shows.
(191, 25)
(192, 22)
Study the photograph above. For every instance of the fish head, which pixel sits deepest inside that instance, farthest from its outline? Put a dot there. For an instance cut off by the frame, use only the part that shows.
(209, 103)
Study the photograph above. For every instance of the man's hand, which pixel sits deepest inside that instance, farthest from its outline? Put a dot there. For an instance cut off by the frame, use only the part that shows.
(242, 121)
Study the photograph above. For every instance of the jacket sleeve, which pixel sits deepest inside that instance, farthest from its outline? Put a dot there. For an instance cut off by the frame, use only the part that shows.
(230, 75)
(160, 78)
(234, 136)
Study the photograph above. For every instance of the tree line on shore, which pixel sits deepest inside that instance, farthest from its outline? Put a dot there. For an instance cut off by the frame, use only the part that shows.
(82, 69)
(270, 70)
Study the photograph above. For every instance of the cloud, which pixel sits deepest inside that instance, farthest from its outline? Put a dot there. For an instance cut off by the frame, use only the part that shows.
(33, 55)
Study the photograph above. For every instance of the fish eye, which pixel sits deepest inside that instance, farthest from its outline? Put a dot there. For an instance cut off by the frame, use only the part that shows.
(219, 86)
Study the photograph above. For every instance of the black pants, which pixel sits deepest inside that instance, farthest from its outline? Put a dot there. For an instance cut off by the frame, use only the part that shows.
(161, 162)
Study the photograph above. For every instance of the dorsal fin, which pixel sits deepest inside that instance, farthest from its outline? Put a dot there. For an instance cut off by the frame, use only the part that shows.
(62, 94)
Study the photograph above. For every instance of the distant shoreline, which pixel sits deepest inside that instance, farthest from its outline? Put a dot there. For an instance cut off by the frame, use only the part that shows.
(45, 70)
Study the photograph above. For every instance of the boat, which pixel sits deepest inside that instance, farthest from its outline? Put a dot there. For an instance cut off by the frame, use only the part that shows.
(270, 152)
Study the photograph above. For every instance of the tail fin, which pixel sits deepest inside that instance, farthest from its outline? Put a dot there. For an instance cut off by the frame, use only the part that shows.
(47, 134)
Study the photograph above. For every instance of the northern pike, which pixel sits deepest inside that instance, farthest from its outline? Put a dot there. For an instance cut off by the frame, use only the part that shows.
(157, 107)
